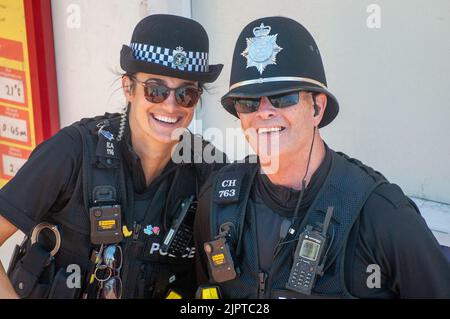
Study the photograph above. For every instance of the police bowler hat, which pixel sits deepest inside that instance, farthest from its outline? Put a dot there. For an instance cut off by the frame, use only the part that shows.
(276, 55)
(172, 46)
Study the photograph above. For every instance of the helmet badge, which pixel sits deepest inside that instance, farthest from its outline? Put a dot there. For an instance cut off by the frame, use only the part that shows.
(180, 57)
(261, 50)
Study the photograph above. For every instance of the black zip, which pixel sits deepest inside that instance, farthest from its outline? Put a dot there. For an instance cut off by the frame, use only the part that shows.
(282, 243)
(262, 276)
(274, 258)
(262, 283)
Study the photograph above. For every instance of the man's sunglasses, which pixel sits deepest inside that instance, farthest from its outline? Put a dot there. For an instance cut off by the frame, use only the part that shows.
(279, 101)
(186, 96)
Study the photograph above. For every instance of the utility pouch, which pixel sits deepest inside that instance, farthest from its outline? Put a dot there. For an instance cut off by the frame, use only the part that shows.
(18, 253)
(32, 269)
(33, 274)
(61, 288)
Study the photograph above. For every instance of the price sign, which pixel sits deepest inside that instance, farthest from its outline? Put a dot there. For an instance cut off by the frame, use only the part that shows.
(11, 165)
(14, 129)
(14, 126)
(13, 86)
(11, 90)
(11, 160)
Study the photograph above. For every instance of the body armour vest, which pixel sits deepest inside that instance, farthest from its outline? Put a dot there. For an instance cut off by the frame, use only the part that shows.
(146, 271)
(346, 188)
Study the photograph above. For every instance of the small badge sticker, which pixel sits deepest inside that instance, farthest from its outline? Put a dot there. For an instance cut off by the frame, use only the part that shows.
(151, 230)
(107, 134)
(261, 50)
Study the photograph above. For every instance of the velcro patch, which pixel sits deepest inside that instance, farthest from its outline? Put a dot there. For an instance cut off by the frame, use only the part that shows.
(228, 189)
(107, 147)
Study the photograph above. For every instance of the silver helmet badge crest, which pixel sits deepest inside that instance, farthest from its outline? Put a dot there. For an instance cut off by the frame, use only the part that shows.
(179, 57)
(261, 50)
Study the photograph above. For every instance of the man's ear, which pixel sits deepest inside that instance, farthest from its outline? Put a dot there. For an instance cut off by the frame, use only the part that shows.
(320, 105)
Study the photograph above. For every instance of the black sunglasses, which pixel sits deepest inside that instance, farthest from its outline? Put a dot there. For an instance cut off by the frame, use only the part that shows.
(279, 101)
(186, 96)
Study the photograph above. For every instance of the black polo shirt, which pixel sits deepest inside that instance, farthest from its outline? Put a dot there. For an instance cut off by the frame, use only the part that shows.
(45, 182)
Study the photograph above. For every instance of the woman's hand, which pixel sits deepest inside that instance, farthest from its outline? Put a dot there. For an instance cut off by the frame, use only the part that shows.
(6, 289)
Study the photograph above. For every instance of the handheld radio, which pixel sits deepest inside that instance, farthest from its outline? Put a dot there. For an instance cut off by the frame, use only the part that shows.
(180, 234)
(308, 256)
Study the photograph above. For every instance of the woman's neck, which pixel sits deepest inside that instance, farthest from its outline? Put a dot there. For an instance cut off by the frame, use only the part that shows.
(154, 155)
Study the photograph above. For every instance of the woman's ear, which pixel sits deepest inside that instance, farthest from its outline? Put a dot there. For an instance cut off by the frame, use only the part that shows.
(128, 86)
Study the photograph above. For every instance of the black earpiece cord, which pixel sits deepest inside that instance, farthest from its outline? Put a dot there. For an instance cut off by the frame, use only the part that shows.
(285, 230)
(297, 207)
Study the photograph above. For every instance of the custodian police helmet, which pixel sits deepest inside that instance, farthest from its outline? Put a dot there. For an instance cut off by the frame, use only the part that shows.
(276, 55)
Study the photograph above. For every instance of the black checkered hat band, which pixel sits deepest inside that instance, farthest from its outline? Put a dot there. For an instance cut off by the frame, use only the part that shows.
(195, 61)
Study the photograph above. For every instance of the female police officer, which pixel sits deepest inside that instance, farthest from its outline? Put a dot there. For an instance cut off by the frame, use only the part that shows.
(316, 224)
(105, 191)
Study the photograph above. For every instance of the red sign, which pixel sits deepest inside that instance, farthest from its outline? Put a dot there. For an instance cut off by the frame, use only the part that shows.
(10, 49)
(28, 94)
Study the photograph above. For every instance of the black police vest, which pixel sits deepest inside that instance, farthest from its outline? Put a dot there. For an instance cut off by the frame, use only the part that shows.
(346, 188)
(146, 274)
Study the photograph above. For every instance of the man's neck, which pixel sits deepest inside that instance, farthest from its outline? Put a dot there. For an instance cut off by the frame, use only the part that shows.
(292, 167)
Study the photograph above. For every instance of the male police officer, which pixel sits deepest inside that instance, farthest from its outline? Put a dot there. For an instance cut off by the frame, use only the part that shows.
(319, 223)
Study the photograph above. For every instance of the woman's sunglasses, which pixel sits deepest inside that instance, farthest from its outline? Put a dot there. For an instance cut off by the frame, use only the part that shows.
(186, 96)
(279, 101)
